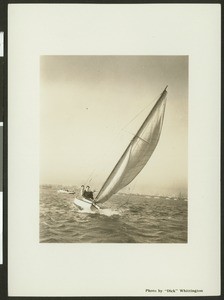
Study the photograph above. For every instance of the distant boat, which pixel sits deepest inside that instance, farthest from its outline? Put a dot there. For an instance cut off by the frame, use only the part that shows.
(62, 191)
(134, 157)
(65, 192)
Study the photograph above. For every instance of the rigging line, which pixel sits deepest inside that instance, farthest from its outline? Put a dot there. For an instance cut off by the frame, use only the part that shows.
(126, 125)
(90, 177)
(141, 111)
(107, 153)
(129, 122)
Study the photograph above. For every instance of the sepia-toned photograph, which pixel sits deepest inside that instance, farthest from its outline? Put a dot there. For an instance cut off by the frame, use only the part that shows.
(113, 128)
(113, 149)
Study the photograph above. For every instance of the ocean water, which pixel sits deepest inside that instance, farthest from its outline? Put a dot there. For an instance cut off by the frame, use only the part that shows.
(122, 219)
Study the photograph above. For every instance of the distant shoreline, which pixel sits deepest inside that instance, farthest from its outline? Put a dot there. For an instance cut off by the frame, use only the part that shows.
(180, 196)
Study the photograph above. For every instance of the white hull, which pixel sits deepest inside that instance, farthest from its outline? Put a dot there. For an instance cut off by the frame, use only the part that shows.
(85, 204)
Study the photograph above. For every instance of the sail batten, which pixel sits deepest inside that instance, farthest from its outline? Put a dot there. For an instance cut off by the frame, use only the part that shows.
(137, 153)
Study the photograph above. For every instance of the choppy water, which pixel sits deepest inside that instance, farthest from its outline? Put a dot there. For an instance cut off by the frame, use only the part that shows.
(123, 219)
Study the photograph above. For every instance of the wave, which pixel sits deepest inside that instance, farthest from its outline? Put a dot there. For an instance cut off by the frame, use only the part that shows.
(121, 220)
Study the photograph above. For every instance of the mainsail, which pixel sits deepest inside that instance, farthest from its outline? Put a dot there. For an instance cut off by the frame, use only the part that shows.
(137, 153)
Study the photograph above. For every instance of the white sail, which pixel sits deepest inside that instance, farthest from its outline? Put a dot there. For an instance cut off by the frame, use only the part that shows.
(137, 153)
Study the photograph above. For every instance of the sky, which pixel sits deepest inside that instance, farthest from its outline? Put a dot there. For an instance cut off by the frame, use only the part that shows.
(90, 108)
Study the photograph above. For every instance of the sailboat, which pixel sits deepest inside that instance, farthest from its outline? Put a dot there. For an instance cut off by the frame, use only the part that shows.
(134, 158)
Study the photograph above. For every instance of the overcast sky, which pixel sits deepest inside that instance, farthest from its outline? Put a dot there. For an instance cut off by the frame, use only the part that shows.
(86, 107)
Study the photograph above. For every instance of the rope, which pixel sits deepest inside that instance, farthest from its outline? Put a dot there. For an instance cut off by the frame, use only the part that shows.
(89, 178)
(106, 154)
(141, 111)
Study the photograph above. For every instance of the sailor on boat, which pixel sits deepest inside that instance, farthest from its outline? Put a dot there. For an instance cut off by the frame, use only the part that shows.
(85, 199)
(82, 190)
(88, 194)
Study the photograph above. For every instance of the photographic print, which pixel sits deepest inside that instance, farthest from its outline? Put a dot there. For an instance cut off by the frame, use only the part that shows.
(113, 149)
